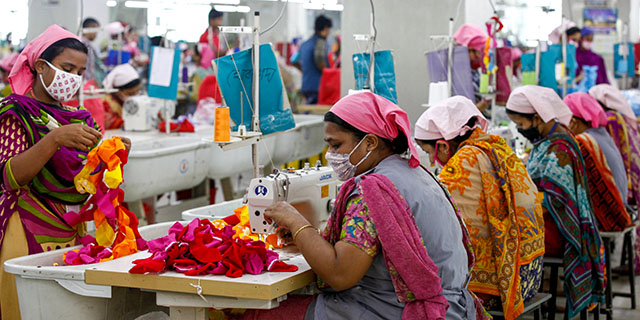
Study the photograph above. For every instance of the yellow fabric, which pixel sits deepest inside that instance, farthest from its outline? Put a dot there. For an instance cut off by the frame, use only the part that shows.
(16, 246)
(504, 220)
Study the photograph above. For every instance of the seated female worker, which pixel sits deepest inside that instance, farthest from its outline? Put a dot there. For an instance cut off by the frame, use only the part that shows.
(372, 254)
(497, 199)
(126, 80)
(557, 168)
(623, 128)
(44, 146)
(606, 194)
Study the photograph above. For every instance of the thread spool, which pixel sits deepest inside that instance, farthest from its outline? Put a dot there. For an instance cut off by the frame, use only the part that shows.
(222, 127)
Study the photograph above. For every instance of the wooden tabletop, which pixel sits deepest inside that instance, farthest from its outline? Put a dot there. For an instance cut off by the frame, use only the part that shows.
(265, 286)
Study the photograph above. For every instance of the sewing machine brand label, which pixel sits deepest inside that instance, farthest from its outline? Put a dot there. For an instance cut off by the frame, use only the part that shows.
(261, 190)
(184, 166)
(325, 177)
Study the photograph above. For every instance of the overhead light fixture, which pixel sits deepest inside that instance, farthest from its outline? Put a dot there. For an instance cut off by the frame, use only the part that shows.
(334, 7)
(137, 4)
(243, 9)
(112, 3)
(232, 2)
(223, 8)
(313, 6)
(296, 1)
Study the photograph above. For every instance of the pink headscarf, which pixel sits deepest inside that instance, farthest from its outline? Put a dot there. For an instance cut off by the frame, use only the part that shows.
(516, 53)
(374, 114)
(471, 36)
(587, 108)
(448, 119)
(612, 98)
(21, 77)
(543, 101)
(8, 62)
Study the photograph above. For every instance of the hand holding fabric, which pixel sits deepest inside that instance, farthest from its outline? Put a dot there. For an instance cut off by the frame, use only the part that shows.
(78, 136)
(286, 216)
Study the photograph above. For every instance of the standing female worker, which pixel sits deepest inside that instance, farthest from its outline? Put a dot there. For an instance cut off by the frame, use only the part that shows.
(607, 199)
(497, 199)
(43, 146)
(557, 168)
(372, 254)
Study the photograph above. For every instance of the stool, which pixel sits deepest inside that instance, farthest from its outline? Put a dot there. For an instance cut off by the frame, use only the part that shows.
(628, 257)
(555, 264)
(532, 306)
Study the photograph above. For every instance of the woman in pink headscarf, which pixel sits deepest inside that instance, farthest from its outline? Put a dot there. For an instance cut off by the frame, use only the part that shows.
(6, 64)
(45, 145)
(557, 168)
(497, 199)
(474, 38)
(395, 246)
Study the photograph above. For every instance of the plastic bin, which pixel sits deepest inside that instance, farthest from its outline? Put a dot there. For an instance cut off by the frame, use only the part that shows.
(212, 212)
(46, 291)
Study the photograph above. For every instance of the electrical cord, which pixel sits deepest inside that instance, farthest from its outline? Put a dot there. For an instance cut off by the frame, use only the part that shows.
(284, 7)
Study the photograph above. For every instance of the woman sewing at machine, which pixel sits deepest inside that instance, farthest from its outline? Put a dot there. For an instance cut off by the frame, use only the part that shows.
(44, 144)
(371, 258)
(557, 168)
(497, 199)
(126, 80)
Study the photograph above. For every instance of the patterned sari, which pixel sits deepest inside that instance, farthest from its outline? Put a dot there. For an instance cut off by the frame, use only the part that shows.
(42, 202)
(500, 205)
(625, 134)
(607, 204)
(557, 168)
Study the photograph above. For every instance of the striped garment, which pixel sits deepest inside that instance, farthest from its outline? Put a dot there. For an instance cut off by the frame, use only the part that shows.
(43, 201)
(557, 167)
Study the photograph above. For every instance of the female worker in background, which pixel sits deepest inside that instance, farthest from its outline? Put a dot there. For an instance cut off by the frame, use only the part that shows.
(586, 57)
(6, 64)
(497, 199)
(557, 168)
(126, 80)
(475, 39)
(607, 199)
(387, 213)
(44, 145)
(623, 128)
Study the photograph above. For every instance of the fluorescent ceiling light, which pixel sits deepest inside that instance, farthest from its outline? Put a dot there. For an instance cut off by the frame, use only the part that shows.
(112, 3)
(243, 9)
(222, 8)
(334, 7)
(136, 4)
(234, 2)
(313, 6)
(296, 1)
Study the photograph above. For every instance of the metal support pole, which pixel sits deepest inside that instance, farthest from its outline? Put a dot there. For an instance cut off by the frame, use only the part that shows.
(255, 125)
(372, 56)
(450, 60)
(563, 36)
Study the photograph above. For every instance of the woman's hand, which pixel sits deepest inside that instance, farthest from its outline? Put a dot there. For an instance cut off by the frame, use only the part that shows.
(78, 136)
(286, 216)
(127, 143)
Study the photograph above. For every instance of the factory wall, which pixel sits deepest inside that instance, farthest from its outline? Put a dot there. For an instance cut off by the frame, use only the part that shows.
(66, 13)
(405, 28)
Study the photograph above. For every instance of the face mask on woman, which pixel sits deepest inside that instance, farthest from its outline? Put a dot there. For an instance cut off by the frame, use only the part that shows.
(587, 45)
(341, 163)
(64, 84)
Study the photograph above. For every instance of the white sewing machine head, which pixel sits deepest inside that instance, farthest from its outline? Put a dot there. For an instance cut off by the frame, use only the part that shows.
(140, 113)
(311, 190)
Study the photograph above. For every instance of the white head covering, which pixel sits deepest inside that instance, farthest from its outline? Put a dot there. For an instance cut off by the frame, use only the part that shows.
(543, 101)
(448, 119)
(115, 28)
(120, 76)
(612, 98)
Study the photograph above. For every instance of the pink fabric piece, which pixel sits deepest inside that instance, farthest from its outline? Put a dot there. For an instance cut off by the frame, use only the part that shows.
(253, 264)
(220, 269)
(587, 108)
(175, 229)
(161, 243)
(9, 61)
(374, 114)
(612, 98)
(21, 77)
(543, 101)
(471, 36)
(448, 119)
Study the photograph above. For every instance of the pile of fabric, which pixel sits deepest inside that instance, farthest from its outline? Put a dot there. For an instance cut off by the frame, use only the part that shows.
(116, 227)
(204, 247)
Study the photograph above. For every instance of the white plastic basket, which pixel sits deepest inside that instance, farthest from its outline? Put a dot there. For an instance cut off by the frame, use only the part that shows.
(46, 291)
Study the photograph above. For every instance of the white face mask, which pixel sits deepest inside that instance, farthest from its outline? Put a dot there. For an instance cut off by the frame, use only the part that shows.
(341, 163)
(64, 85)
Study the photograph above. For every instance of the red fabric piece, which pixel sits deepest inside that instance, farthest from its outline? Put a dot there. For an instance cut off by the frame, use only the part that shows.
(503, 81)
(329, 91)
(210, 89)
(232, 220)
(184, 126)
(204, 254)
(279, 266)
(148, 265)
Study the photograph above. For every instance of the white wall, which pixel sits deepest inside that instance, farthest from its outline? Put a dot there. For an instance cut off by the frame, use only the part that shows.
(66, 13)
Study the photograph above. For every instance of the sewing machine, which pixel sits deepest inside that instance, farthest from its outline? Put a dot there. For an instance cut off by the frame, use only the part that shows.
(311, 190)
(140, 113)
